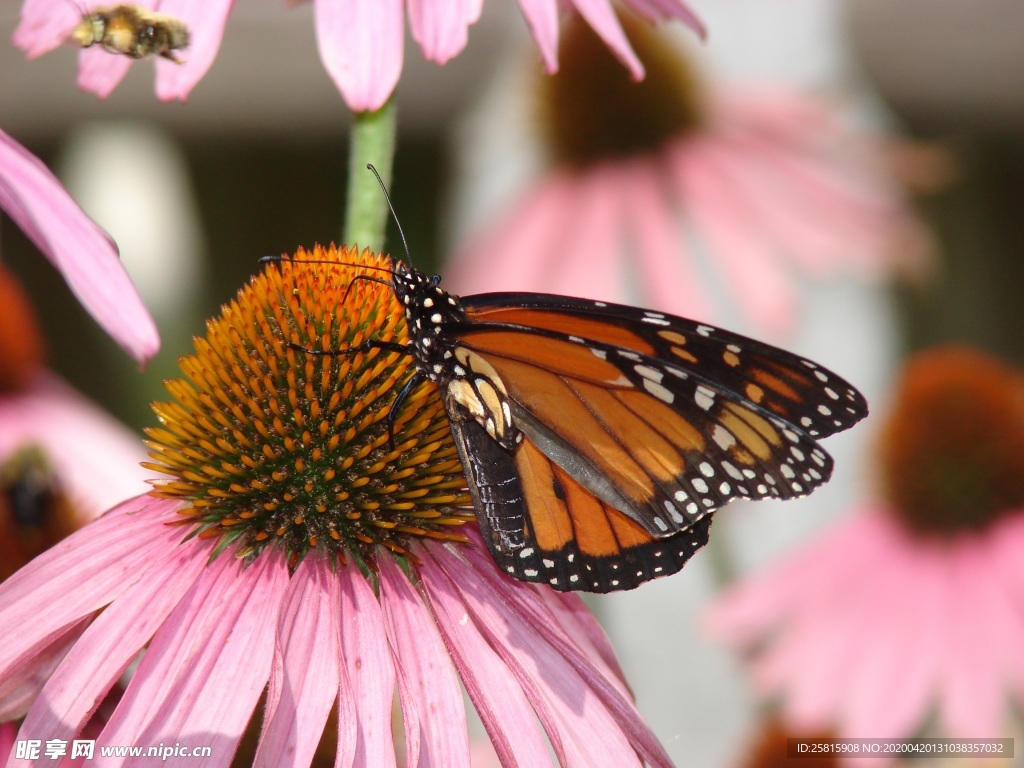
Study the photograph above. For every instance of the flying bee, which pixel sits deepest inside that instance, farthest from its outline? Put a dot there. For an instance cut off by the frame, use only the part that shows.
(132, 30)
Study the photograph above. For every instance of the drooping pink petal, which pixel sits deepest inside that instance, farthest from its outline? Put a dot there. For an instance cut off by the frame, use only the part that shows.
(971, 683)
(425, 664)
(77, 577)
(670, 279)
(898, 644)
(542, 19)
(100, 72)
(44, 25)
(441, 29)
(762, 290)
(360, 44)
(84, 253)
(600, 15)
(832, 633)
(503, 708)
(579, 623)
(95, 458)
(516, 255)
(530, 613)
(110, 643)
(205, 20)
(8, 735)
(782, 222)
(20, 686)
(587, 259)
(370, 667)
(304, 676)
(206, 667)
(581, 729)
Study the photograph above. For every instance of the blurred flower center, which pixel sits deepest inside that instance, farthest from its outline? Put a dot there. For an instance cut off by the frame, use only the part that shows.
(772, 748)
(35, 513)
(21, 342)
(953, 450)
(269, 443)
(592, 109)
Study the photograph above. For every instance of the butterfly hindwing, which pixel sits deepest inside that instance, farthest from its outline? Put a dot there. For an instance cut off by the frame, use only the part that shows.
(569, 538)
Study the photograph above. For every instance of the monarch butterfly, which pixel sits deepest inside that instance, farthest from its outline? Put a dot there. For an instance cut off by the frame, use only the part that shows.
(597, 439)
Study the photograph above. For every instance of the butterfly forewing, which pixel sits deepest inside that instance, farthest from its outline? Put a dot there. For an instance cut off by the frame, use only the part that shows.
(793, 388)
(663, 443)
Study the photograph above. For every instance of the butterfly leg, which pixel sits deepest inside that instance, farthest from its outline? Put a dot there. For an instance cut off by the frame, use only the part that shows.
(410, 385)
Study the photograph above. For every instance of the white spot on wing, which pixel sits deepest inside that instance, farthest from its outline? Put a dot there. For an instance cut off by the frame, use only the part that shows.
(704, 398)
(660, 392)
(723, 437)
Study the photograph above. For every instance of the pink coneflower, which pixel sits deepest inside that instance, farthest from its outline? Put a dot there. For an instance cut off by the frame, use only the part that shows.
(62, 459)
(33, 197)
(911, 609)
(305, 549)
(361, 41)
(675, 191)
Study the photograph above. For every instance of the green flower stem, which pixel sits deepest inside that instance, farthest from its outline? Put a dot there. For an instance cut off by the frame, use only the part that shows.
(373, 141)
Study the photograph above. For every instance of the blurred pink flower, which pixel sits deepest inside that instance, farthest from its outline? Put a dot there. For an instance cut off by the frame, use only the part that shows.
(93, 456)
(870, 629)
(218, 632)
(361, 41)
(915, 605)
(768, 186)
(86, 256)
(63, 461)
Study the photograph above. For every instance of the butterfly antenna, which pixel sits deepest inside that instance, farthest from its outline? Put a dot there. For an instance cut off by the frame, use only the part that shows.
(394, 216)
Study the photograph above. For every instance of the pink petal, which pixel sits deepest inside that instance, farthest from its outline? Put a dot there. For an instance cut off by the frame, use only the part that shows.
(207, 666)
(499, 700)
(427, 667)
(762, 289)
(21, 686)
(77, 577)
(573, 616)
(304, 676)
(441, 29)
(670, 279)
(8, 735)
(542, 19)
(515, 255)
(533, 615)
(95, 457)
(83, 252)
(971, 679)
(778, 217)
(602, 18)
(1008, 567)
(110, 643)
(205, 20)
(583, 732)
(99, 71)
(370, 667)
(587, 262)
(903, 647)
(360, 43)
(44, 25)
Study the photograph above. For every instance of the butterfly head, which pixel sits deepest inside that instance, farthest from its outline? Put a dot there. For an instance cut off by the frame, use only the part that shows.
(429, 309)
